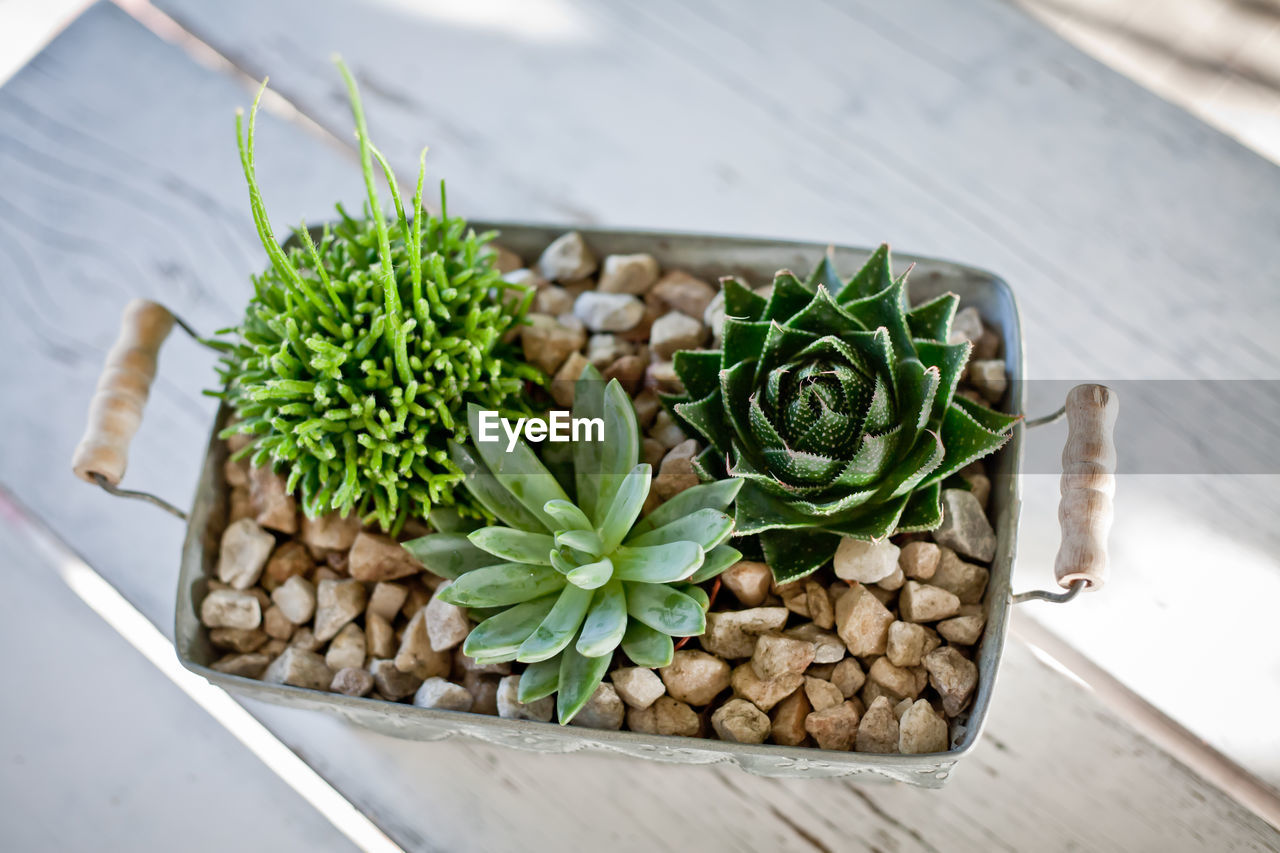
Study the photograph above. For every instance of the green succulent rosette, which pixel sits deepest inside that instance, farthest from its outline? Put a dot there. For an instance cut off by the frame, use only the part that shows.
(835, 403)
(571, 573)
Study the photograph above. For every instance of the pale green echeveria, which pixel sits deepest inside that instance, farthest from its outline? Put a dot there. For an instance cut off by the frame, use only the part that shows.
(834, 401)
(571, 572)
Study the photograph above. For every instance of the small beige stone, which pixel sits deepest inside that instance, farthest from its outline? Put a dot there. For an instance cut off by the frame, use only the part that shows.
(714, 315)
(849, 677)
(909, 643)
(238, 639)
(878, 729)
(547, 341)
(695, 677)
(966, 326)
(230, 608)
(988, 376)
(953, 675)
(638, 686)
(604, 710)
(416, 654)
(511, 708)
(862, 621)
(967, 581)
(894, 581)
(330, 532)
(665, 431)
(552, 300)
(738, 721)
(276, 624)
(965, 527)
(683, 292)
(375, 557)
(794, 597)
(239, 505)
(505, 260)
(962, 630)
(289, 560)
(443, 695)
(675, 331)
(643, 720)
(775, 655)
(865, 562)
(352, 682)
(764, 694)
(749, 582)
(273, 506)
(466, 663)
(347, 650)
(304, 638)
(249, 664)
(568, 258)
(921, 602)
(380, 638)
(244, 552)
(628, 273)
(676, 472)
(919, 560)
(895, 681)
(733, 633)
(835, 728)
(299, 668)
(484, 692)
(921, 730)
(565, 381)
(391, 681)
(787, 720)
(827, 647)
(819, 604)
(673, 717)
(603, 349)
(337, 603)
(608, 312)
(822, 694)
(447, 624)
(647, 406)
(296, 599)
(386, 599)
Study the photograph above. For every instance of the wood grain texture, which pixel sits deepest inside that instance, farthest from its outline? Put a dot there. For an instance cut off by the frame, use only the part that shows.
(127, 183)
(1088, 486)
(1141, 243)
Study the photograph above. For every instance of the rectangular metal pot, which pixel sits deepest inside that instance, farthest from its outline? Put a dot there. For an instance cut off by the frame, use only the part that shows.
(709, 257)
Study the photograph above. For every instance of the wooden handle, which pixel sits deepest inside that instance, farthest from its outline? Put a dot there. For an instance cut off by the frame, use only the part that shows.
(115, 413)
(1088, 485)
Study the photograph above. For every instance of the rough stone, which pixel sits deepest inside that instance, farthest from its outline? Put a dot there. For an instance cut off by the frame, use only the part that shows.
(352, 681)
(244, 553)
(604, 710)
(638, 686)
(962, 630)
(230, 608)
(565, 382)
(505, 260)
(673, 717)
(416, 654)
(920, 602)
(909, 643)
(919, 560)
(238, 639)
(827, 647)
(628, 370)
(835, 728)
(953, 675)
(966, 326)
(764, 694)
(511, 708)
(896, 682)
(443, 695)
(666, 432)
(272, 504)
(673, 332)
(775, 655)
(988, 376)
(348, 649)
(380, 638)
(695, 677)
(628, 274)
(713, 316)
(289, 560)
(651, 452)
(484, 692)
(466, 663)
(249, 664)
(894, 582)
(921, 729)
(749, 581)
(848, 676)
(965, 527)
(547, 341)
(787, 720)
(604, 349)
(552, 301)
(676, 472)
(683, 292)
(608, 312)
(662, 376)
(391, 681)
(967, 581)
(304, 638)
(447, 624)
(818, 604)
(647, 406)
(738, 721)
(386, 599)
(276, 624)
(330, 532)
(733, 633)
(862, 622)
(296, 599)
(878, 729)
(337, 603)
(375, 557)
(865, 562)
(568, 258)
(822, 694)
(299, 668)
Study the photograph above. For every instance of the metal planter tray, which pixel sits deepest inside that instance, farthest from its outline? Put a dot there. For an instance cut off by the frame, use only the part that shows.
(709, 257)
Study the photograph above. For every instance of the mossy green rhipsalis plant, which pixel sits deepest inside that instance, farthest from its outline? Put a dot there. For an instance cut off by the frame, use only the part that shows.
(359, 351)
(835, 403)
(566, 580)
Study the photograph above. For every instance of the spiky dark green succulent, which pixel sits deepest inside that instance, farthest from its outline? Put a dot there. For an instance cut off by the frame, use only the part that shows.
(359, 352)
(835, 403)
(571, 575)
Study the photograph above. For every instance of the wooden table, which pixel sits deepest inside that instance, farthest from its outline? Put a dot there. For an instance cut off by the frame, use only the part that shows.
(1141, 243)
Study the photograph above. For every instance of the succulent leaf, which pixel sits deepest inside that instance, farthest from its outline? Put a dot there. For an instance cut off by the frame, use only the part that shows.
(502, 585)
(498, 638)
(606, 623)
(579, 677)
(518, 546)
(647, 647)
(665, 609)
(539, 680)
(448, 554)
(558, 628)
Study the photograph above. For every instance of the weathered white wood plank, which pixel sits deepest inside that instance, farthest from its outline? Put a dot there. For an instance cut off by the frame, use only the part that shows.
(129, 185)
(1142, 243)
